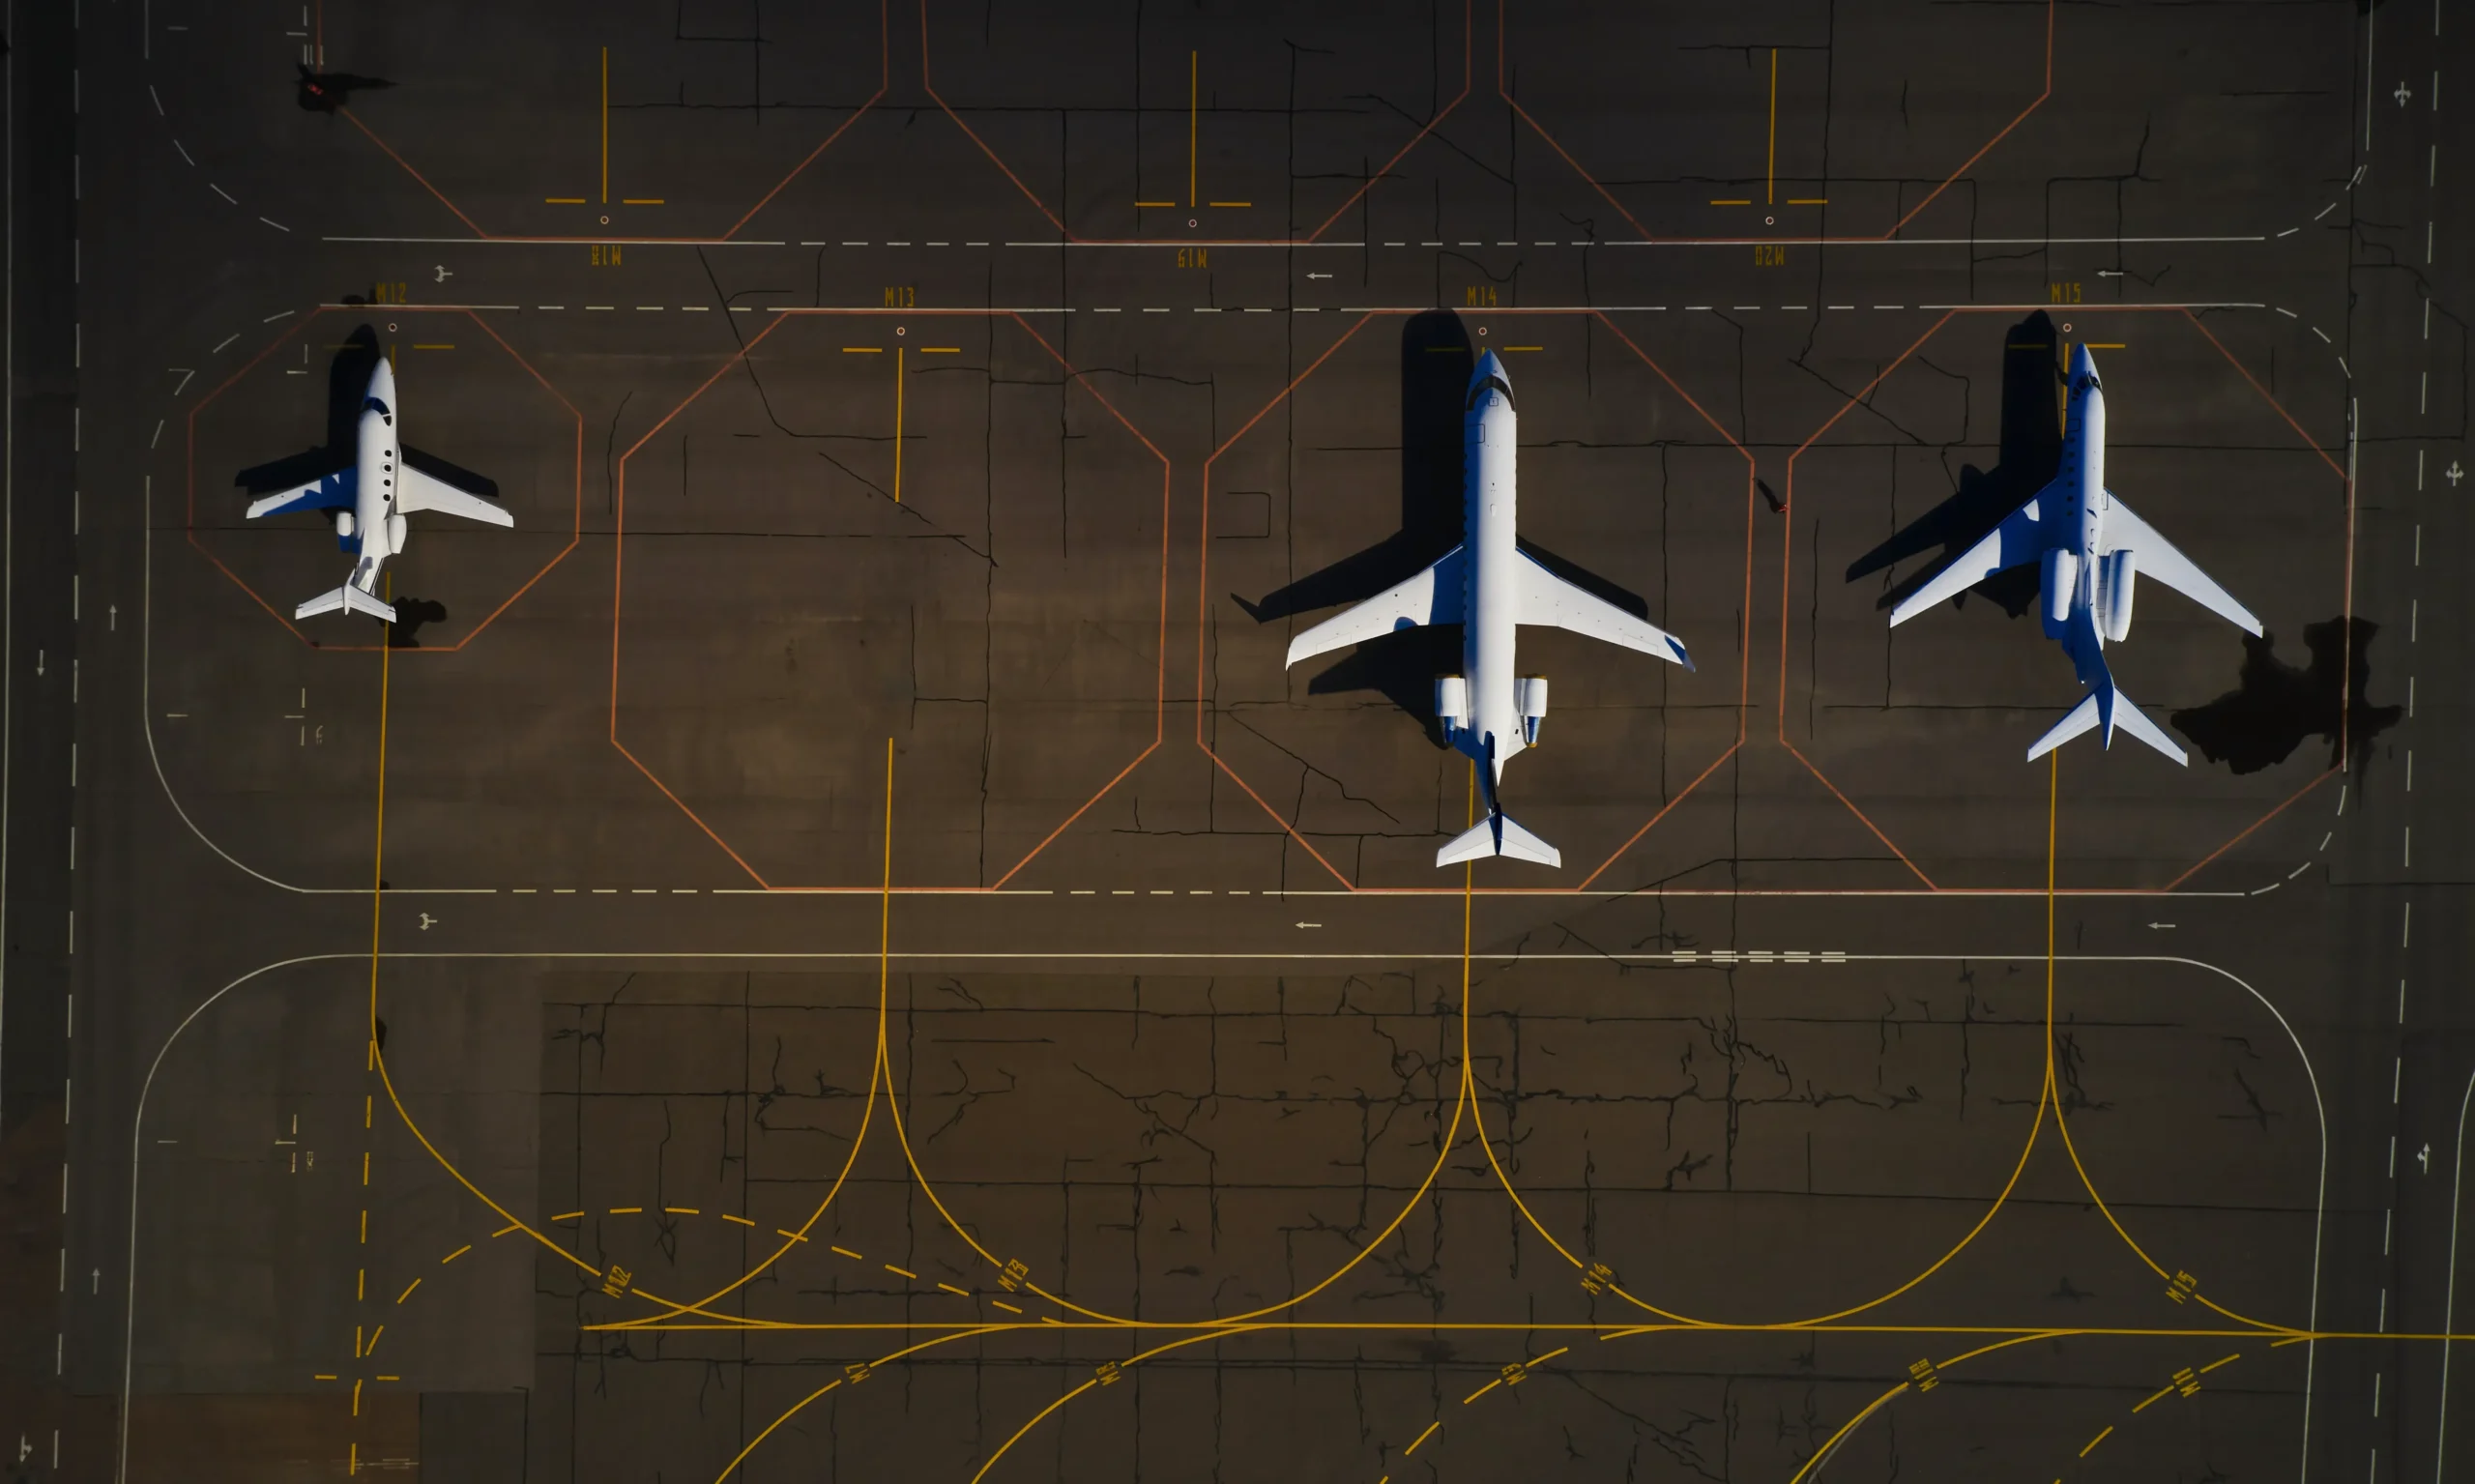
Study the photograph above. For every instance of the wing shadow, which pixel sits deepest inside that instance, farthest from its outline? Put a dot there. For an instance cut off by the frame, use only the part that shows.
(2030, 451)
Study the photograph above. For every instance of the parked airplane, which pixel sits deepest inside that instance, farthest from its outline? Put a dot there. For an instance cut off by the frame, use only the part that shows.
(2089, 545)
(1488, 585)
(368, 501)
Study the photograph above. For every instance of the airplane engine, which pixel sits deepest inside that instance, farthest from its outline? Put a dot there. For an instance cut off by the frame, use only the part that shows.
(343, 525)
(398, 528)
(2061, 578)
(1452, 702)
(2115, 580)
(1530, 697)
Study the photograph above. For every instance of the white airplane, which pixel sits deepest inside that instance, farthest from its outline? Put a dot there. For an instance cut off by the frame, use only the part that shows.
(2089, 545)
(369, 502)
(1488, 585)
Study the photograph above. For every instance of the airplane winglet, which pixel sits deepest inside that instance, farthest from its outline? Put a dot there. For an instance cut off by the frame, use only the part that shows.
(1498, 835)
(346, 599)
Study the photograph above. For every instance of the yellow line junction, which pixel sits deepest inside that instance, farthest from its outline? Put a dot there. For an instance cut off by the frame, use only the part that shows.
(1007, 1299)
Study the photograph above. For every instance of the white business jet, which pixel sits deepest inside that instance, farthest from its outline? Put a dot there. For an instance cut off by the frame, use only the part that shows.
(368, 501)
(1489, 586)
(2088, 545)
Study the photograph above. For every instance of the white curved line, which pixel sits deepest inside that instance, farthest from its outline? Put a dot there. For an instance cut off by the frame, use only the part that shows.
(136, 1149)
(146, 722)
(2449, 1305)
(137, 1128)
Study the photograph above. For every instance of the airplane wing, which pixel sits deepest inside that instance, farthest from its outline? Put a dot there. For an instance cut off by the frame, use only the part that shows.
(2155, 558)
(1431, 596)
(327, 492)
(1550, 602)
(2017, 540)
(417, 492)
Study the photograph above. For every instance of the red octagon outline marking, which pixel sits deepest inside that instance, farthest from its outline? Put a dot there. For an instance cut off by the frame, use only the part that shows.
(1744, 637)
(618, 566)
(1786, 551)
(884, 75)
(576, 533)
(1469, 32)
(1892, 232)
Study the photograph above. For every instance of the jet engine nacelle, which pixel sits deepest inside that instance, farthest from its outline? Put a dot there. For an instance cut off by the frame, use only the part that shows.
(2062, 580)
(343, 525)
(2114, 579)
(1529, 698)
(1452, 700)
(398, 528)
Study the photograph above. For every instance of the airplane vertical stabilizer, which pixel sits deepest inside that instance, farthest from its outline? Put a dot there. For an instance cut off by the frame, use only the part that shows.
(1498, 835)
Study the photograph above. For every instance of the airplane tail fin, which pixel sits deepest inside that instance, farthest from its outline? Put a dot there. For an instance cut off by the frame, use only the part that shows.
(346, 599)
(1498, 835)
(2108, 706)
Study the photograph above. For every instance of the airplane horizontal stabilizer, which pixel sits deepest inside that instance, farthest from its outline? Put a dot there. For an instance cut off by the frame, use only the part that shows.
(1498, 835)
(2130, 718)
(2082, 717)
(1435, 596)
(346, 599)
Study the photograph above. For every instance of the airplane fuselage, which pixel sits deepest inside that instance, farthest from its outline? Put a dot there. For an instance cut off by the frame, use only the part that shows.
(2072, 614)
(376, 532)
(1492, 601)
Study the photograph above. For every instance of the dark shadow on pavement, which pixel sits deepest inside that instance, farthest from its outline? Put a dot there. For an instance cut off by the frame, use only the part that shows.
(2032, 450)
(411, 614)
(2275, 706)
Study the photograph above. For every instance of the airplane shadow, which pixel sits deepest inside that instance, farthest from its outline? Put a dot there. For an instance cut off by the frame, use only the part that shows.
(411, 615)
(2030, 452)
(1436, 359)
(347, 379)
(2275, 706)
(325, 91)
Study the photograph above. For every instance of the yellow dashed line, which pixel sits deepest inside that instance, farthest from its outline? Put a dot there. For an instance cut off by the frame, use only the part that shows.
(2154, 1397)
(1482, 1391)
(903, 1272)
(408, 1290)
(1550, 1356)
(793, 1235)
(457, 1253)
(950, 1288)
(742, 1220)
(681, 1210)
(1422, 1437)
(846, 1252)
(626, 1211)
(569, 1216)
(2214, 1364)
(1002, 1305)
(513, 1226)
(372, 1347)
(2094, 1442)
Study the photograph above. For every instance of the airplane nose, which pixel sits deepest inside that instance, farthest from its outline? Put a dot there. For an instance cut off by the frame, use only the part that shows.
(2083, 363)
(1489, 366)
